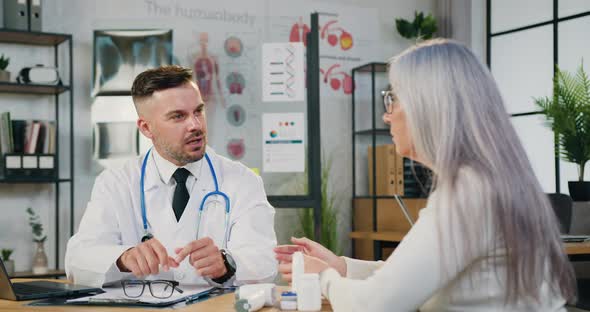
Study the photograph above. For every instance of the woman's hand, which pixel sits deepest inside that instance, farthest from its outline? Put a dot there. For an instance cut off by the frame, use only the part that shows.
(314, 265)
(311, 265)
(284, 254)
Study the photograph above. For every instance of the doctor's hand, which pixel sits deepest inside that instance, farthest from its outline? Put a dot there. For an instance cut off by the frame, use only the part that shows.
(204, 256)
(145, 259)
(284, 253)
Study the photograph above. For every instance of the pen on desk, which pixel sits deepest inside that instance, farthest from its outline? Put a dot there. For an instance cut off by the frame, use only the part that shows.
(111, 300)
(195, 299)
(213, 293)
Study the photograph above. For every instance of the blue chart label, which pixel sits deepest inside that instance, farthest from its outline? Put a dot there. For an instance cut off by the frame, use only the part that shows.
(284, 142)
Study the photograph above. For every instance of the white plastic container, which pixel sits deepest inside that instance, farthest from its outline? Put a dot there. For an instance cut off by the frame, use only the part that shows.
(309, 294)
(269, 290)
(297, 270)
(251, 303)
(288, 301)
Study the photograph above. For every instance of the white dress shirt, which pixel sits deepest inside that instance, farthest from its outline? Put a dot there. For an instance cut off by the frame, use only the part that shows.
(112, 222)
(167, 169)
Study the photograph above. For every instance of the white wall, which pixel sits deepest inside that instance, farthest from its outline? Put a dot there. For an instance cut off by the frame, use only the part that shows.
(478, 29)
(77, 17)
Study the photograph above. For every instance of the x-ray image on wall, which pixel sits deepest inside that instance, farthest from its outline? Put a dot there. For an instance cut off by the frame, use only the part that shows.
(120, 55)
(115, 139)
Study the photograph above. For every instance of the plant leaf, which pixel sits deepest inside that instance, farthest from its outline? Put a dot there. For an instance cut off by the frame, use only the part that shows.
(428, 27)
(568, 114)
(405, 28)
(329, 214)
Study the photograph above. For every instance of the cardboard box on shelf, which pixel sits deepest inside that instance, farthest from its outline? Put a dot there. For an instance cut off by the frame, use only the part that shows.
(387, 179)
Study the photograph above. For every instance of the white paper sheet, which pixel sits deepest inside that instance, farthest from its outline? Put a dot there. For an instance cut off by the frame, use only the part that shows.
(283, 142)
(116, 294)
(283, 72)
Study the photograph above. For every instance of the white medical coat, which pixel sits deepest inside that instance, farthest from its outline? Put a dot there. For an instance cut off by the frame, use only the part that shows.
(112, 223)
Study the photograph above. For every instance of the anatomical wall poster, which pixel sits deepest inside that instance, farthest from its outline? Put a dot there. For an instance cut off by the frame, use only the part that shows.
(347, 38)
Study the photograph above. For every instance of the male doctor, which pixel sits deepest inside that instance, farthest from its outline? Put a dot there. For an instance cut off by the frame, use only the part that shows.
(113, 243)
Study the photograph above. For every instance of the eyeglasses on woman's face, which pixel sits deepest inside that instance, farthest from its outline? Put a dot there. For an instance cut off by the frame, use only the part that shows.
(160, 289)
(389, 100)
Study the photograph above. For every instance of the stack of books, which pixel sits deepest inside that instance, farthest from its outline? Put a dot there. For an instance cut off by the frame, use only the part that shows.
(25, 137)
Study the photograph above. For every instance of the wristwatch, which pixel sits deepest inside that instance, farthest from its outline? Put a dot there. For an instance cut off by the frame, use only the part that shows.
(230, 265)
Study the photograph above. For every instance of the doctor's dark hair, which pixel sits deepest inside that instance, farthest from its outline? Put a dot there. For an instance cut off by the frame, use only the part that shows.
(156, 79)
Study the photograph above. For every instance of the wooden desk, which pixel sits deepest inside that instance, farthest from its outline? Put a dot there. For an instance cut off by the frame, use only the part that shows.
(578, 251)
(575, 251)
(222, 303)
(50, 273)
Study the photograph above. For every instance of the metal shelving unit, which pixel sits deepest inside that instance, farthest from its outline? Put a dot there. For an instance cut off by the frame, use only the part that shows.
(373, 131)
(48, 40)
(13, 87)
(375, 80)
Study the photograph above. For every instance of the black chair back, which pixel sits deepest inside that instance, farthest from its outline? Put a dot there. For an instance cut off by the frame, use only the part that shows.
(562, 206)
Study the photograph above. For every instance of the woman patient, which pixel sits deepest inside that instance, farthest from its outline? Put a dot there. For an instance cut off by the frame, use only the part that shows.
(488, 239)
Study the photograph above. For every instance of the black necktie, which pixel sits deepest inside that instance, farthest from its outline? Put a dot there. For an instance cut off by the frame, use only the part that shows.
(181, 195)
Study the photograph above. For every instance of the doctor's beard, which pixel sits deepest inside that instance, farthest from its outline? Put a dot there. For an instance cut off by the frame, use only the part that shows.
(177, 152)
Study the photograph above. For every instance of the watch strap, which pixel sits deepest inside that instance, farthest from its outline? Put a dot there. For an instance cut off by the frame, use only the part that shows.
(230, 270)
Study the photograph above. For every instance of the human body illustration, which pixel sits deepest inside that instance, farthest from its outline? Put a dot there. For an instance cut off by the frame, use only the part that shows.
(206, 73)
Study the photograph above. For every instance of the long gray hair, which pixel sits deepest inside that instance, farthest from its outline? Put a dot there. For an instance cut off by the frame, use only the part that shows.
(483, 181)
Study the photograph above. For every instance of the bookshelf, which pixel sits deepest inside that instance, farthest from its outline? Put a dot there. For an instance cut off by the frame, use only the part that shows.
(377, 219)
(33, 38)
(27, 180)
(13, 87)
(373, 131)
(61, 43)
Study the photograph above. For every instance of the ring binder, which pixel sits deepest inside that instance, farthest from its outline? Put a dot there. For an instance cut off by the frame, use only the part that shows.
(33, 167)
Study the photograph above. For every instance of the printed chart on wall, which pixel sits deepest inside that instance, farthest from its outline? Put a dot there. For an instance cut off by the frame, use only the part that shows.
(282, 139)
(283, 76)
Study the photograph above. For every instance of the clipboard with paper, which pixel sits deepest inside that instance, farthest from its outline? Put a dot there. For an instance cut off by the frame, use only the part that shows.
(114, 296)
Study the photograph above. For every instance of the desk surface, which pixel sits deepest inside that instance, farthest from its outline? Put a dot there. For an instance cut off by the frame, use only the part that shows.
(221, 303)
(571, 249)
(577, 248)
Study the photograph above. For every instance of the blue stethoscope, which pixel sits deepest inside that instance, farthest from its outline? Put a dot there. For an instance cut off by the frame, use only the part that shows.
(146, 231)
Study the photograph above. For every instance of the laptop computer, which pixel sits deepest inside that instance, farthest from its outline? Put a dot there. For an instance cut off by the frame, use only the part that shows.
(575, 238)
(39, 289)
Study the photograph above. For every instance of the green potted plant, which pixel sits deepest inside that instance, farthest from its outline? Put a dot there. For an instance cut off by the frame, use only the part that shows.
(329, 226)
(568, 114)
(421, 28)
(39, 237)
(4, 74)
(8, 263)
